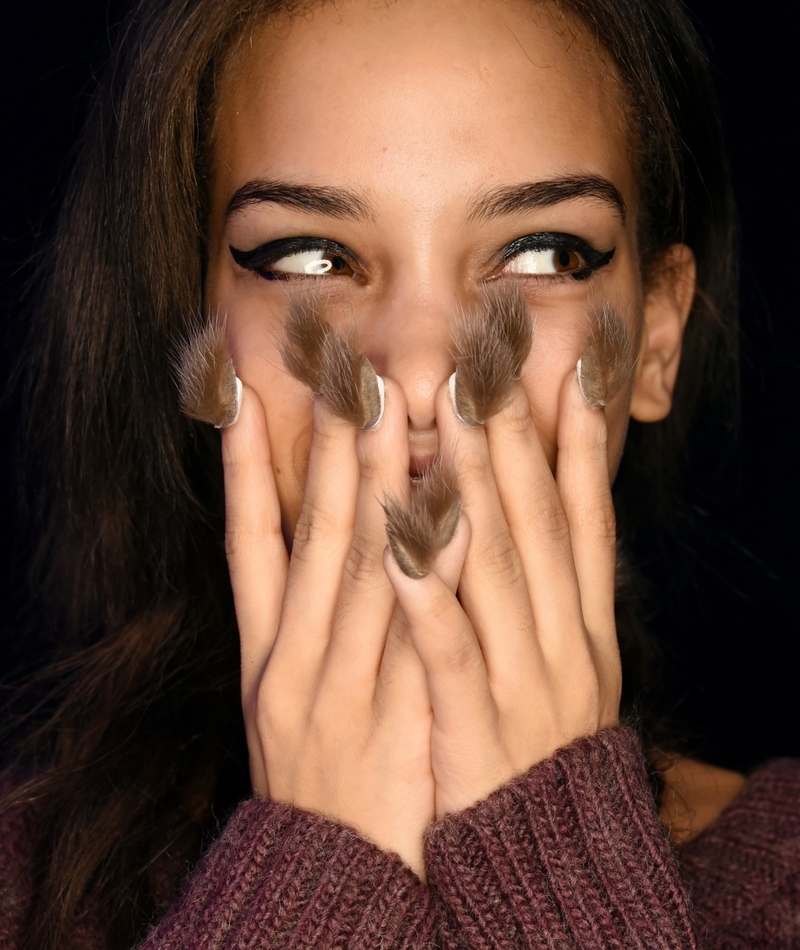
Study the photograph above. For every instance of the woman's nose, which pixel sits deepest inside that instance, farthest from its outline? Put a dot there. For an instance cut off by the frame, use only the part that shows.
(409, 339)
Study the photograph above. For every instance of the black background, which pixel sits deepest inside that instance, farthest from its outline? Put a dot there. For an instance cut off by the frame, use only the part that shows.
(731, 634)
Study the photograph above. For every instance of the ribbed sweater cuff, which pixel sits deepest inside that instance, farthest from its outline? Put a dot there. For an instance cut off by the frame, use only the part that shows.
(571, 854)
(282, 878)
(746, 866)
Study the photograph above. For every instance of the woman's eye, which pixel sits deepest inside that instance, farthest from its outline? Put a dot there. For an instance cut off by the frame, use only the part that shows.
(297, 257)
(553, 254)
(551, 261)
(314, 263)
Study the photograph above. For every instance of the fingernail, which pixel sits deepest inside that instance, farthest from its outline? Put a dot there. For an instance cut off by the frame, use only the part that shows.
(457, 402)
(490, 345)
(607, 361)
(418, 531)
(208, 386)
(590, 382)
(586, 396)
(373, 396)
(236, 407)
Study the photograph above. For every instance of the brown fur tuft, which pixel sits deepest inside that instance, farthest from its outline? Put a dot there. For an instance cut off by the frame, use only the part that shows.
(328, 362)
(305, 333)
(608, 360)
(419, 531)
(490, 344)
(209, 388)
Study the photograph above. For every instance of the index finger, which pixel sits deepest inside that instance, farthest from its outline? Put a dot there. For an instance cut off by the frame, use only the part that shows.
(257, 557)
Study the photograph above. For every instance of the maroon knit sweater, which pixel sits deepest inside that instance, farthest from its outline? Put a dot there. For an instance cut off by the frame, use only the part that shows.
(570, 855)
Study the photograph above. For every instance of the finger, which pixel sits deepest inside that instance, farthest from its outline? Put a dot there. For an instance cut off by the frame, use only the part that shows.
(492, 589)
(367, 600)
(321, 544)
(254, 543)
(444, 641)
(585, 490)
(537, 521)
(400, 652)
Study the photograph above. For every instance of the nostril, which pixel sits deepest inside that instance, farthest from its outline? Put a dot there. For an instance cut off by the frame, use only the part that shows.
(419, 464)
(423, 445)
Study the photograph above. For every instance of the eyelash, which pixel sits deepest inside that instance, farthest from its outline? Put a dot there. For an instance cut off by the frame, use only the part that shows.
(593, 259)
(262, 258)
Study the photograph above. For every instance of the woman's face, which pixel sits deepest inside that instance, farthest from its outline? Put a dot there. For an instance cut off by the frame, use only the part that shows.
(398, 156)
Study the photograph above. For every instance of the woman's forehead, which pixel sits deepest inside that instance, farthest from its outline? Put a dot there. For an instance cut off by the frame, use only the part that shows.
(381, 96)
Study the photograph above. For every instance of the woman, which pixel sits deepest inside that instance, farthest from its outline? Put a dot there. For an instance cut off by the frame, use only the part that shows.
(437, 149)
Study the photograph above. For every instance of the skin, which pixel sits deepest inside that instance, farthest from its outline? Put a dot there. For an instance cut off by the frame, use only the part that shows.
(381, 701)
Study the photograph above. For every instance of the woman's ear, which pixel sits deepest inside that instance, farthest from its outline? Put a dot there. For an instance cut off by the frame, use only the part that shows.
(666, 310)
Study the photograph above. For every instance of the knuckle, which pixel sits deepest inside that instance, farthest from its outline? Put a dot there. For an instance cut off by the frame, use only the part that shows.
(475, 464)
(471, 451)
(457, 654)
(371, 463)
(595, 508)
(604, 520)
(314, 527)
(500, 559)
(600, 440)
(244, 536)
(236, 547)
(363, 561)
(548, 518)
(597, 520)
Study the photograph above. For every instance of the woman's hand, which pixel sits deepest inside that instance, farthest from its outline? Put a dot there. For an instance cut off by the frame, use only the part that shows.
(526, 659)
(335, 698)
(385, 719)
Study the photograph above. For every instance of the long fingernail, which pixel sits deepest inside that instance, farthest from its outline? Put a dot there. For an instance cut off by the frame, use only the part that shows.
(373, 396)
(237, 406)
(418, 531)
(584, 392)
(607, 361)
(327, 361)
(490, 344)
(457, 402)
(210, 390)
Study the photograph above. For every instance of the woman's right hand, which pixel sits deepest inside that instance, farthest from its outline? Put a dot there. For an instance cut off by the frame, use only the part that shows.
(335, 698)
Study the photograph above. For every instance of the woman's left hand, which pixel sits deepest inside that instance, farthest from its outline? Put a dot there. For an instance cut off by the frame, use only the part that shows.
(525, 660)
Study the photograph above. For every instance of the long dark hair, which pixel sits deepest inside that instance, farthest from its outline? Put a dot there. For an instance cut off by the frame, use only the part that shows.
(134, 739)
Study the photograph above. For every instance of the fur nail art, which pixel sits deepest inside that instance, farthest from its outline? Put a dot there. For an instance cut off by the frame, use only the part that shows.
(419, 531)
(490, 344)
(209, 388)
(328, 362)
(607, 361)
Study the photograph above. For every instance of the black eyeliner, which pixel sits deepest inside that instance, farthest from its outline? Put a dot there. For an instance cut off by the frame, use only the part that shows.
(551, 240)
(265, 255)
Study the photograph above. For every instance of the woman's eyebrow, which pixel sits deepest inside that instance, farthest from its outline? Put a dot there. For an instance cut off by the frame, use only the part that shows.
(320, 199)
(511, 199)
(339, 202)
